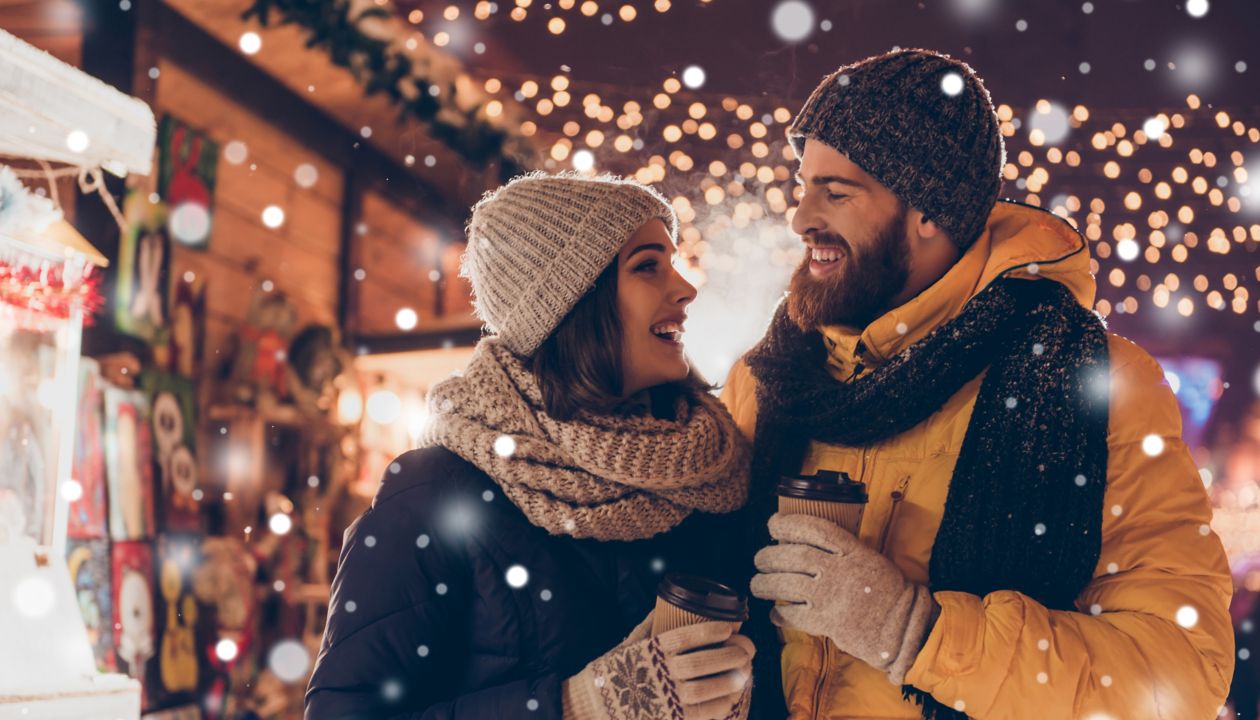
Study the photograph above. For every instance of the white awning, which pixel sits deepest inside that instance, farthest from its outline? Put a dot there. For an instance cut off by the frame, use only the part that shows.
(53, 111)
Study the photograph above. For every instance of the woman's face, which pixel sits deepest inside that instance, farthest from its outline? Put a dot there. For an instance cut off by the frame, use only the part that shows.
(652, 300)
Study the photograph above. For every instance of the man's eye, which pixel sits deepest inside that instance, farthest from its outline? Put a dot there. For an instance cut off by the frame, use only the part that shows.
(836, 196)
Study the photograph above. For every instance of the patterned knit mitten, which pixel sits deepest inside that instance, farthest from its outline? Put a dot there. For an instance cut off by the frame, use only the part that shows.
(697, 672)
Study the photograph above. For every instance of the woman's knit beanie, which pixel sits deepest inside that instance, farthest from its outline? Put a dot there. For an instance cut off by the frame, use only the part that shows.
(539, 243)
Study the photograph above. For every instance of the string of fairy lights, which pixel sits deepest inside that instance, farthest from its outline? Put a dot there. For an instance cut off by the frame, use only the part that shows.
(1164, 198)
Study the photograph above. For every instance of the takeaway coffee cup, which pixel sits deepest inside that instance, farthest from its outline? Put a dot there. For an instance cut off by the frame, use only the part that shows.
(829, 495)
(687, 599)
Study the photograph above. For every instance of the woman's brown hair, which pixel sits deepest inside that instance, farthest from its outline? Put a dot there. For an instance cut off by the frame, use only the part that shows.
(579, 366)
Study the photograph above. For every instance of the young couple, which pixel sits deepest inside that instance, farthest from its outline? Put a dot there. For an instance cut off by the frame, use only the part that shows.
(1025, 551)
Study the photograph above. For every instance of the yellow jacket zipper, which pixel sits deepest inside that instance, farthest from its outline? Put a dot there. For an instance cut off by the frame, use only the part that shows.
(823, 669)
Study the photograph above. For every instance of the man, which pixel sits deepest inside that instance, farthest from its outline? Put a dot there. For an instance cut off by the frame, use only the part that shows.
(1036, 540)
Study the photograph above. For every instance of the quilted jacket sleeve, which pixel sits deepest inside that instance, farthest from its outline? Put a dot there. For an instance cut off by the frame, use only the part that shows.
(1152, 635)
(395, 645)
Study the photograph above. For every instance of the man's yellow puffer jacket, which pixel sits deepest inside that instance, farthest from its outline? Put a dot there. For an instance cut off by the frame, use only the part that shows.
(1152, 638)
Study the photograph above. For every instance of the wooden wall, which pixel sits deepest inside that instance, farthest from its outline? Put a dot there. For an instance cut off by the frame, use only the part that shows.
(301, 257)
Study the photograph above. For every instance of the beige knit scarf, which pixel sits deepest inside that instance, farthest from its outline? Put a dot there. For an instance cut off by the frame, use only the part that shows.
(601, 476)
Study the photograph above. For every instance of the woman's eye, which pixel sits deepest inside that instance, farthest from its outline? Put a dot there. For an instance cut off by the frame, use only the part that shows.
(647, 266)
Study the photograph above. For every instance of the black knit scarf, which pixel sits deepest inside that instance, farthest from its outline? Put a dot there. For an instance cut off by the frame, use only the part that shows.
(1024, 508)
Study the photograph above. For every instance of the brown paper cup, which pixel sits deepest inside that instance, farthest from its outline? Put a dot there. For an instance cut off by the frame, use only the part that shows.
(668, 617)
(846, 515)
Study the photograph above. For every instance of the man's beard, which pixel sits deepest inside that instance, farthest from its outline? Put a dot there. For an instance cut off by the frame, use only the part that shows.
(860, 291)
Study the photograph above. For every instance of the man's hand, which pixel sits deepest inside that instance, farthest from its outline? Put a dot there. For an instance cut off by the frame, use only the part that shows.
(830, 585)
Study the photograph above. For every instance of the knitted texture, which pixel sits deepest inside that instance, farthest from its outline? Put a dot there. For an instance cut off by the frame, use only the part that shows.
(829, 584)
(1035, 452)
(608, 477)
(537, 245)
(895, 117)
(655, 677)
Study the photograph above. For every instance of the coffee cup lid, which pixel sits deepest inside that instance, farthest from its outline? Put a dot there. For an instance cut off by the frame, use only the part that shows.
(703, 596)
(826, 485)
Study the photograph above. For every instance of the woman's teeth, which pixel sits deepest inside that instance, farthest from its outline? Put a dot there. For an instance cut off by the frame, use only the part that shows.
(668, 331)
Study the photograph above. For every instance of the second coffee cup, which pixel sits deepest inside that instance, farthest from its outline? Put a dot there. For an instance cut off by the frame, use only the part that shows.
(687, 599)
(828, 495)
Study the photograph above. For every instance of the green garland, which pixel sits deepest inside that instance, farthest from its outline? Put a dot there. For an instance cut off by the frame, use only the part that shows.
(382, 68)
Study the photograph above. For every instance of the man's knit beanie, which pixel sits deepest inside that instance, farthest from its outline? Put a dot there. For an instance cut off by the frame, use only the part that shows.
(923, 125)
(539, 243)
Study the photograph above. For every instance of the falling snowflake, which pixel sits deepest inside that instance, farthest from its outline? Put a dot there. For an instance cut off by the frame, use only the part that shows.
(952, 84)
(1043, 678)
(545, 595)
(1011, 403)
(792, 20)
(504, 446)
(1105, 680)
(370, 541)
(440, 589)
(351, 606)
(423, 651)
(1039, 529)
(1113, 568)
(422, 541)
(1043, 644)
(1187, 616)
(289, 660)
(531, 704)
(1153, 445)
(391, 690)
(1080, 481)
(517, 576)
(488, 495)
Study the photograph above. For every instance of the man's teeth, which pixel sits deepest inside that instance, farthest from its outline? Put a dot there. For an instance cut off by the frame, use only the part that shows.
(668, 330)
(825, 254)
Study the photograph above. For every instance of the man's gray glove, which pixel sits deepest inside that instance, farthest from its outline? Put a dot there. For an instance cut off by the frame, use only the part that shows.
(831, 585)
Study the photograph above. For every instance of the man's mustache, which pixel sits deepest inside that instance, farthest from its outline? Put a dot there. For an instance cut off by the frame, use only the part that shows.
(824, 240)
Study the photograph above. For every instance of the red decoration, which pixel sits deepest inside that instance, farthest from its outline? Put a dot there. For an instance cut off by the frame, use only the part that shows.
(47, 289)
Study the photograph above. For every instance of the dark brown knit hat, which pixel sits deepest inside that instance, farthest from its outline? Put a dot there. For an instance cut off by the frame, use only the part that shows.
(922, 124)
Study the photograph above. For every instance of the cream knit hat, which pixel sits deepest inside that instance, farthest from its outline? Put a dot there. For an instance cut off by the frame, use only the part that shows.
(537, 245)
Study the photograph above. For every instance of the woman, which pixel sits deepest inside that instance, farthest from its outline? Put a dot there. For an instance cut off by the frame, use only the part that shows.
(575, 460)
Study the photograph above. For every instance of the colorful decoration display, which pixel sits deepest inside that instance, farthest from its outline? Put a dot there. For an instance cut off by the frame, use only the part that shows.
(187, 162)
(134, 614)
(173, 420)
(87, 514)
(89, 564)
(143, 279)
(127, 462)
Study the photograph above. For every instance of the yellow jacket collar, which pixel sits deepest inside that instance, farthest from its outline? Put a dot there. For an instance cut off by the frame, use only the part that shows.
(1018, 241)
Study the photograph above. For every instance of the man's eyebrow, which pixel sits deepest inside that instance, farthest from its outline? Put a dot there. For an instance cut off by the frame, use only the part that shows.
(829, 179)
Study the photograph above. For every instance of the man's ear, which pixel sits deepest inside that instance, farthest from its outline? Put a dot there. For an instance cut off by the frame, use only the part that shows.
(924, 227)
